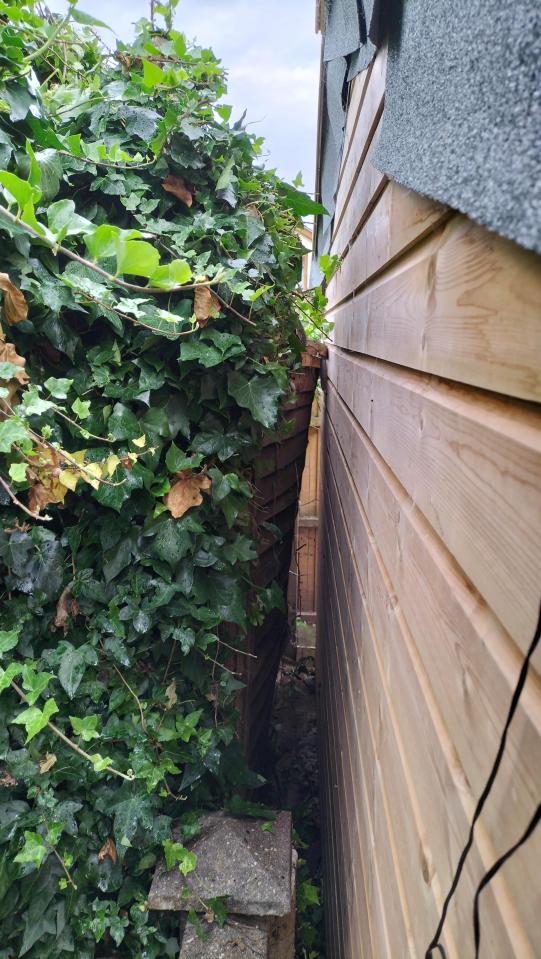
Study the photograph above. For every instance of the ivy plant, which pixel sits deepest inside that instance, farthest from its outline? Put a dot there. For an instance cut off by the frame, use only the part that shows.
(149, 324)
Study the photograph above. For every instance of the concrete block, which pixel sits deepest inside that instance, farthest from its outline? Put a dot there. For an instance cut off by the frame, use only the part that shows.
(235, 859)
(239, 939)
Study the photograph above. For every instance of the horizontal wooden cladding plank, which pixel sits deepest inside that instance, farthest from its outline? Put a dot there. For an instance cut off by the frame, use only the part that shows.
(471, 462)
(428, 810)
(471, 664)
(399, 220)
(366, 190)
(356, 91)
(371, 107)
(466, 305)
(349, 780)
(410, 908)
(372, 874)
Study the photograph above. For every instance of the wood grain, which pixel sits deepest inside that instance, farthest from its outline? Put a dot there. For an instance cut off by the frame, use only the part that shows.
(465, 304)
(371, 108)
(399, 220)
(471, 462)
(438, 817)
(468, 664)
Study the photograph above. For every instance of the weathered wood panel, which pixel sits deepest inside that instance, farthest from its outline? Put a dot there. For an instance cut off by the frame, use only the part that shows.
(430, 566)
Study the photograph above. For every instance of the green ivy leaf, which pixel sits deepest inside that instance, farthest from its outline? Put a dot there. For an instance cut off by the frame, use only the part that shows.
(12, 431)
(176, 853)
(137, 257)
(34, 683)
(58, 387)
(259, 394)
(73, 665)
(8, 639)
(34, 719)
(18, 191)
(8, 675)
(34, 849)
(172, 274)
(17, 472)
(86, 728)
(81, 408)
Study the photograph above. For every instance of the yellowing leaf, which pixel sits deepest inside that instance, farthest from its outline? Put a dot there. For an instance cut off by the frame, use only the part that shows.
(140, 441)
(171, 695)
(186, 492)
(111, 463)
(69, 478)
(15, 305)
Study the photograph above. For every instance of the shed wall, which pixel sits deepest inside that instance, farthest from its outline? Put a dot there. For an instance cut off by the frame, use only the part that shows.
(430, 567)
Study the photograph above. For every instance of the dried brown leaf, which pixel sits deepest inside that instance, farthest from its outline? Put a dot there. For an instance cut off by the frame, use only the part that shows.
(6, 779)
(47, 763)
(8, 354)
(15, 305)
(171, 695)
(253, 211)
(176, 185)
(186, 492)
(67, 607)
(108, 849)
(205, 305)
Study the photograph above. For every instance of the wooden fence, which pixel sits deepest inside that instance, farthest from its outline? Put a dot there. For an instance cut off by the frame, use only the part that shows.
(304, 567)
(430, 567)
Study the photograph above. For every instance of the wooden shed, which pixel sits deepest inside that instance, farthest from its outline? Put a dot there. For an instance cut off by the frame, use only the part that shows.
(430, 567)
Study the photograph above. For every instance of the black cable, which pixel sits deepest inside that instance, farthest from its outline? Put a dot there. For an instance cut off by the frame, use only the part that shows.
(484, 795)
(492, 872)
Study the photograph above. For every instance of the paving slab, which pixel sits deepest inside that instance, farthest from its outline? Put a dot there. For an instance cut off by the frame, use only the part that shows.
(235, 859)
(239, 939)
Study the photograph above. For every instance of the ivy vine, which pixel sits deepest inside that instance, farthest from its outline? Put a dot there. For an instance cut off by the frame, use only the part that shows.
(150, 318)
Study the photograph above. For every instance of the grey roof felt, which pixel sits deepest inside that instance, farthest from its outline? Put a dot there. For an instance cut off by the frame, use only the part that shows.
(462, 118)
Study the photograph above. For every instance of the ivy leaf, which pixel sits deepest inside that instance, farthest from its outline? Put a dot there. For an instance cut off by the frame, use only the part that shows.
(17, 472)
(86, 728)
(58, 387)
(100, 762)
(34, 719)
(33, 404)
(8, 639)
(171, 543)
(63, 221)
(34, 683)
(8, 675)
(18, 191)
(259, 394)
(81, 408)
(137, 257)
(171, 275)
(152, 75)
(176, 853)
(34, 849)
(12, 431)
(300, 203)
(186, 638)
(73, 666)
(176, 460)
(85, 18)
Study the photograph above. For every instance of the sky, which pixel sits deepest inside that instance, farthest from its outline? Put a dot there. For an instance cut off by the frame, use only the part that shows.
(271, 52)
